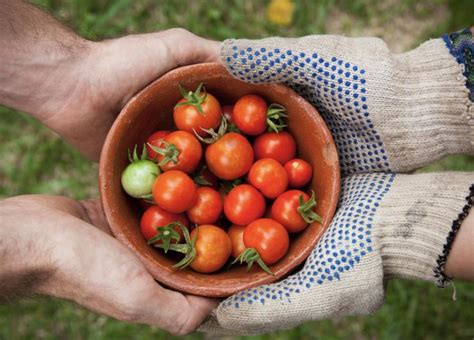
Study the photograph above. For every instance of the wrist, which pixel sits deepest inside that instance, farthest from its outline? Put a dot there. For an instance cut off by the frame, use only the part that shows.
(459, 254)
(41, 81)
(25, 265)
(61, 87)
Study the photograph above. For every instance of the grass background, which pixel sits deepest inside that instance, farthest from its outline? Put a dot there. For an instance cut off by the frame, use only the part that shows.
(35, 160)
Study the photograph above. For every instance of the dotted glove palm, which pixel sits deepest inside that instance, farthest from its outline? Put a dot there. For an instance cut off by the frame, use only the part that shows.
(386, 113)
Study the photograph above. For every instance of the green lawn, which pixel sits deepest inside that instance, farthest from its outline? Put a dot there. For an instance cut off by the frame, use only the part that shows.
(35, 160)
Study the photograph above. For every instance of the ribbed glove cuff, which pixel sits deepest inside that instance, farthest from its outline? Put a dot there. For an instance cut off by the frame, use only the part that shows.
(426, 111)
(418, 221)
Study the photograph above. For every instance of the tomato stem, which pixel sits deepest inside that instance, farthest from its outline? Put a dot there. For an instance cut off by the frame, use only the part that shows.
(200, 180)
(229, 185)
(306, 209)
(275, 115)
(233, 128)
(251, 255)
(193, 98)
(214, 135)
(189, 248)
(134, 156)
(166, 234)
(170, 153)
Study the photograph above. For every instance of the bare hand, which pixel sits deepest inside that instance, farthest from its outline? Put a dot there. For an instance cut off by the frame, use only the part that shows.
(69, 242)
(110, 73)
(76, 86)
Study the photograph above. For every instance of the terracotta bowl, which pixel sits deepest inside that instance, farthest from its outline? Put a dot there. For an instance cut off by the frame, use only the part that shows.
(151, 110)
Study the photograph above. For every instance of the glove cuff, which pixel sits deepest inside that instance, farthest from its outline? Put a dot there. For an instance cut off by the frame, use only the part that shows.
(426, 112)
(418, 222)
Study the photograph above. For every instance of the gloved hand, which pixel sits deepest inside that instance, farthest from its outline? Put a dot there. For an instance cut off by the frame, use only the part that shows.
(387, 226)
(386, 113)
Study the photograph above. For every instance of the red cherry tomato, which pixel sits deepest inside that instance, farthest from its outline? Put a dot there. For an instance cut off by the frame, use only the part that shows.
(230, 157)
(285, 210)
(182, 147)
(188, 118)
(279, 146)
(206, 208)
(269, 238)
(174, 191)
(299, 172)
(268, 176)
(155, 139)
(213, 248)
(243, 204)
(250, 114)
(155, 217)
(236, 233)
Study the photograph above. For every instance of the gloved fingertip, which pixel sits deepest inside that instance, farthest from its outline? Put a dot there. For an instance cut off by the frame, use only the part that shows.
(251, 61)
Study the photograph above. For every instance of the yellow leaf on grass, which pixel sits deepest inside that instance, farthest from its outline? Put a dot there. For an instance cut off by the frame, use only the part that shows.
(280, 12)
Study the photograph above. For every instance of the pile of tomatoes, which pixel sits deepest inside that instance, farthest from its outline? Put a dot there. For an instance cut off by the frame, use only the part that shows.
(226, 183)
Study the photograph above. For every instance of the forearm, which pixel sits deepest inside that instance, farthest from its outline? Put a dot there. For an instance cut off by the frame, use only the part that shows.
(39, 58)
(460, 263)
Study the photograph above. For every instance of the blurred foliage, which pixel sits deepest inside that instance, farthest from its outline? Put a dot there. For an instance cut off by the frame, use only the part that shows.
(35, 160)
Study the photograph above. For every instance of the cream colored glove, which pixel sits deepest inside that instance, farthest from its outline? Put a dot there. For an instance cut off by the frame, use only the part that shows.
(387, 226)
(387, 113)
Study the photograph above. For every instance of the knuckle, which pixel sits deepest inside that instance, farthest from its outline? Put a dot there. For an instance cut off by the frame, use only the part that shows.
(182, 329)
(185, 324)
(182, 321)
(178, 31)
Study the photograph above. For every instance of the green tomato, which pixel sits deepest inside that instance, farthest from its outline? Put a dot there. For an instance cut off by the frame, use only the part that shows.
(139, 176)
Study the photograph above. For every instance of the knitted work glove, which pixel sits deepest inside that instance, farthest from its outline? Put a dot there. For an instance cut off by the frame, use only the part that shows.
(387, 226)
(386, 112)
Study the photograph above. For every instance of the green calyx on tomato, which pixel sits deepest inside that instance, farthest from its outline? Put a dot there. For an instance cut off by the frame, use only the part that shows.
(306, 209)
(204, 177)
(195, 98)
(214, 136)
(200, 180)
(275, 115)
(233, 128)
(229, 185)
(250, 256)
(138, 177)
(166, 234)
(133, 157)
(188, 248)
(170, 153)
